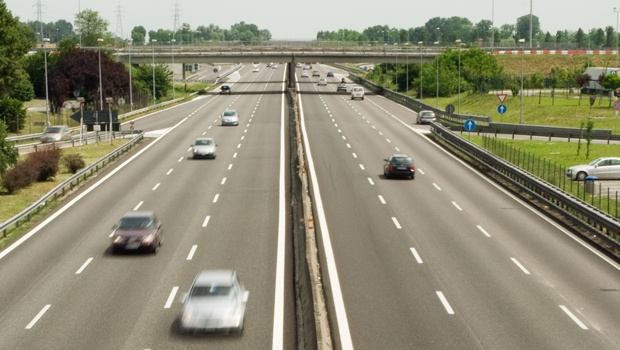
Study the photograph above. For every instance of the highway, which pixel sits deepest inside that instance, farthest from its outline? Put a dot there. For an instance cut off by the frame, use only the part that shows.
(445, 261)
(63, 289)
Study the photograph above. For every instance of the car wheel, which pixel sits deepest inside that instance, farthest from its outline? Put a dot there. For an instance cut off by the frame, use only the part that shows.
(387, 175)
(581, 176)
(412, 176)
(362, 99)
(157, 246)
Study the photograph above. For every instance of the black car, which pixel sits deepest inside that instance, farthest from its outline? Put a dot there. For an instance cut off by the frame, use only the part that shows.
(225, 89)
(399, 165)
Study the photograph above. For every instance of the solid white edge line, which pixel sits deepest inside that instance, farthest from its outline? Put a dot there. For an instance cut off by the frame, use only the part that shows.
(278, 309)
(81, 195)
(533, 210)
(416, 255)
(573, 317)
(206, 222)
(381, 199)
(445, 303)
(396, 223)
(457, 206)
(38, 316)
(191, 252)
(171, 297)
(437, 187)
(341, 314)
(520, 266)
(138, 206)
(483, 230)
(79, 271)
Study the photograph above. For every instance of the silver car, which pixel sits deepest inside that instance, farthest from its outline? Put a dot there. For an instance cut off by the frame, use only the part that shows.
(215, 303)
(56, 133)
(204, 147)
(602, 168)
(230, 117)
(322, 81)
(425, 117)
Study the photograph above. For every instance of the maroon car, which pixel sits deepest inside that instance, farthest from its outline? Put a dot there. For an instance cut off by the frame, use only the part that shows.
(138, 230)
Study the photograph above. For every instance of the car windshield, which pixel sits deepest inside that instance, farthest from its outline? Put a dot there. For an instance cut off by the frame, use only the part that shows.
(401, 160)
(594, 162)
(213, 290)
(135, 223)
(357, 89)
(53, 130)
(230, 113)
(204, 142)
(225, 87)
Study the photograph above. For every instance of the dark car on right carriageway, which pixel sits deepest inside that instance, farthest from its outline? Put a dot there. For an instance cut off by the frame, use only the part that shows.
(399, 165)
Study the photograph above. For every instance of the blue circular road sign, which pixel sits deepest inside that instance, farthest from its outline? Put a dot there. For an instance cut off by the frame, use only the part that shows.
(501, 109)
(470, 125)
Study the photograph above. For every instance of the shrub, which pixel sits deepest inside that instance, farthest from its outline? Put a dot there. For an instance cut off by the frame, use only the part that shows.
(20, 176)
(45, 160)
(73, 162)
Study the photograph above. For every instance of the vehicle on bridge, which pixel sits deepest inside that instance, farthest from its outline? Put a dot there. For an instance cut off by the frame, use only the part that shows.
(230, 117)
(137, 230)
(357, 92)
(204, 147)
(215, 302)
(225, 89)
(399, 165)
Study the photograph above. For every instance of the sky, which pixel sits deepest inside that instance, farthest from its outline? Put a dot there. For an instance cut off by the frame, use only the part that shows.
(296, 19)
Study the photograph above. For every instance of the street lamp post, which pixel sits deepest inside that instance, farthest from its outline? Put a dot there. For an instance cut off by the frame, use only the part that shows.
(173, 94)
(109, 100)
(521, 111)
(589, 35)
(437, 96)
(81, 101)
(100, 82)
(130, 84)
(47, 101)
(421, 75)
(616, 11)
(458, 43)
(530, 24)
(153, 47)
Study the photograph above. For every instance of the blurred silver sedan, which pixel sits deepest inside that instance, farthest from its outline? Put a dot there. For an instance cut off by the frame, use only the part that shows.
(215, 303)
(602, 168)
(230, 117)
(56, 133)
(204, 147)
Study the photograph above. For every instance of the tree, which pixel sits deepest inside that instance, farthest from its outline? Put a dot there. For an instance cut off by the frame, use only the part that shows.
(600, 37)
(12, 112)
(478, 69)
(35, 67)
(611, 35)
(143, 79)
(611, 81)
(23, 90)
(448, 78)
(548, 37)
(484, 29)
(523, 26)
(558, 37)
(138, 34)
(506, 31)
(403, 36)
(14, 43)
(580, 38)
(8, 153)
(91, 26)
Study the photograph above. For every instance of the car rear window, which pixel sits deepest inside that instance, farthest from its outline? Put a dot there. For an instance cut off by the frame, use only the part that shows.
(204, 142)
(230, 113)
(401, 160)
(135, 223)
(53, 130)
(212, 291)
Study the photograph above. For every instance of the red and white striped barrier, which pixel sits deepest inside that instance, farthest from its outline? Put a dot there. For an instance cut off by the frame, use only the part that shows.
(555, 52)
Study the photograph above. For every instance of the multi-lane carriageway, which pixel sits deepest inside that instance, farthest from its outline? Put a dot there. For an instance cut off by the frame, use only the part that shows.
(446, 261)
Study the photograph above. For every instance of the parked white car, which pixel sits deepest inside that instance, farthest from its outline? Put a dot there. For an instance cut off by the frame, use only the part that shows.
(602, 168)
(357, 92)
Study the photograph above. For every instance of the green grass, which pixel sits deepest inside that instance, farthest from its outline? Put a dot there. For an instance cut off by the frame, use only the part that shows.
(559, 111)
(544, 63)
(11, 205)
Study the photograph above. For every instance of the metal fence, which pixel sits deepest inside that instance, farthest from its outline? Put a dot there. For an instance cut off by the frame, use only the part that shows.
(62, 189)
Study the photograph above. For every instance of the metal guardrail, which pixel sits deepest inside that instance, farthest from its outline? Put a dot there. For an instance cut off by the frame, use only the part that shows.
(70, 183)
(603, 229)
(228, 72)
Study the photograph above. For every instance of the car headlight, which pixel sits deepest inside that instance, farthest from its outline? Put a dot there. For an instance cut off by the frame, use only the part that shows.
(195, 150)
(149, 238)
(118, 239)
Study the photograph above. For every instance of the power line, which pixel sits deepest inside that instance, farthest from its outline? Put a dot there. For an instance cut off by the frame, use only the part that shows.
(177, 20)
(39, 13)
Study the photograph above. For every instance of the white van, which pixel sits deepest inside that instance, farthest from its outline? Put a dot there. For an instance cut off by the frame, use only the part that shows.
(357, 92)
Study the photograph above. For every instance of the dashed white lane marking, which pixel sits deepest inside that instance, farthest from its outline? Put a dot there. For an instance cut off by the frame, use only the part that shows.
(206, 222)
(154, 188)
(416, 255)
(388, 140)
(235, 155)
(171, 297)
(420, 170)
(138, 206)
(169, 171)
(348, 145)
(223, 181)
(483, 231)
(525, 271)
(381, 199)
(204, 132)
(180, 159)
(189, 149)
(216, 197)
(191, 252)
(210, 126)
(362, 167)
(38, 316)
(380, 133)
(246, 130)
(354, 155)
(457, 206)
(437, 187)
(229, 166)
(396, 223)
(79, 271)
(373, 127)
(371, 182)
(573, 317)
(344, 138)
(397, 150)
(242, 137)
(339, 130)
(445, 303)
(247, 125)
(239, 146)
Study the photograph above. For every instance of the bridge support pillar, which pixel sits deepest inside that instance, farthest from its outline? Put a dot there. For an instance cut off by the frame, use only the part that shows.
(291, 75)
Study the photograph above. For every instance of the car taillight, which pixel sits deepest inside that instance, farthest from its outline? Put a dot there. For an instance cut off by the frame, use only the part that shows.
(390, 167)
(412, 168)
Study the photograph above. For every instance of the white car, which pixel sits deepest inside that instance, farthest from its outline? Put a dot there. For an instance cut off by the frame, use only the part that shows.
(602, 168)
(255, 69)
(306, 67)
(275, 66)
(304, 74)
(323, 81)
(357, 92)
(298, 65)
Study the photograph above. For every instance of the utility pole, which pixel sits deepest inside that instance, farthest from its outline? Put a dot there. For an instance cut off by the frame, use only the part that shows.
(177, 21)
(521, 111)
(530, 24)
(119, 21)
(80, 14)
(153, 46)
